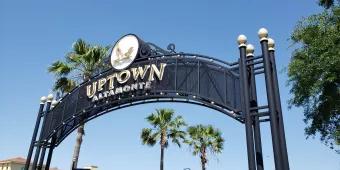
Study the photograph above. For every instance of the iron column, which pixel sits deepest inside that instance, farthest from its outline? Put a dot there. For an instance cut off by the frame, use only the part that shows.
(51, 148)
(283, 144)
(245, 100)
(50, 153)
(44, 147)
(35, 132)
(263, 34)
(39, 144)
(253, 103)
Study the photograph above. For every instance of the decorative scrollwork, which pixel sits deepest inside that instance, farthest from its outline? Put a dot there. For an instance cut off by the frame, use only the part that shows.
(145, 50)
(171, 47)
(156, 50)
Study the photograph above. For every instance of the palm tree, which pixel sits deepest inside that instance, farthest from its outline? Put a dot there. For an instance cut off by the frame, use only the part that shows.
(81, 63)
(203, 139)
(327, 3)
(165, 127)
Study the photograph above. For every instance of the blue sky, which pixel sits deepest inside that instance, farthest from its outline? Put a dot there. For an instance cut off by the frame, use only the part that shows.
(33, 34)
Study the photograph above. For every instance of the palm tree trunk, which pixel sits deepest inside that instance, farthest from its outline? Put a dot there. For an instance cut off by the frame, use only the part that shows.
(80, 134)
(203, 158)
(203, 165)
(162, 158)
(163, 140)
(77, 146)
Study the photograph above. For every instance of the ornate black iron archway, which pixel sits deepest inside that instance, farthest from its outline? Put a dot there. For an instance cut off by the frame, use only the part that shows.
(157, 75)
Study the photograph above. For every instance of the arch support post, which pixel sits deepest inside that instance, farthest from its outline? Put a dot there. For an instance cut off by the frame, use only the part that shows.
(40, 142)
(45, 143)
(35, 132)
(253, 104)
(274, 121)
(275, 82)
(50, 153)
(245, 102)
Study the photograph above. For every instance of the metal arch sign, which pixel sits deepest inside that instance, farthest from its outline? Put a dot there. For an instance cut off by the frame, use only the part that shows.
(144, 73)
(171, 77)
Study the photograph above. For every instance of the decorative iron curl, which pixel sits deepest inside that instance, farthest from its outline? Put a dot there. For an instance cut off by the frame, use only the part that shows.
(156, 50)
(171, 47)
(145, 51)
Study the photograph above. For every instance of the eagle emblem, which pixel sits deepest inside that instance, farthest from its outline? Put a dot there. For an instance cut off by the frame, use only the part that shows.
(124, 52)
(123, 56)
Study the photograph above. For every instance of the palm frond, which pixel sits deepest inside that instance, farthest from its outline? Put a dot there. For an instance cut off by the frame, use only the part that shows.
(60, 68)
(80, 47)
(74, 58)
(64, 85)
(148, 137)
(205, 136)
(166, 115)
(153, 119)
(84, 59)
(177, 136)
(326, 3)
(177, 122)
(164, 122)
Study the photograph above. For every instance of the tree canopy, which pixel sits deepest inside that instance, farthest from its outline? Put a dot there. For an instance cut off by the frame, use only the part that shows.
(328, 3)
(203, 139)
(166, 126)
(80, 64)
(314, 72)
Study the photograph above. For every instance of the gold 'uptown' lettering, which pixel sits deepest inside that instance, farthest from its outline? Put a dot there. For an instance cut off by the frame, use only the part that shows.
(107, 84)
(101, 83)
(90, 93)
(126, 77)
(110, 79)
(139, 72)
(159, 73)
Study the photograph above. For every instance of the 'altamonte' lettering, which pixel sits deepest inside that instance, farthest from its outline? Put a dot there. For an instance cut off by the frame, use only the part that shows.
(148, 72)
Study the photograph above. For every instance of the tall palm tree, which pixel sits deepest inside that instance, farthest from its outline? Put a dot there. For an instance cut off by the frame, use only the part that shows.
(165, 127)
(203, 139)
(80, 64)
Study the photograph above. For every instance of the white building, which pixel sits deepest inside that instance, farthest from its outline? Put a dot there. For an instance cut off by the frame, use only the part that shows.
(17, 163)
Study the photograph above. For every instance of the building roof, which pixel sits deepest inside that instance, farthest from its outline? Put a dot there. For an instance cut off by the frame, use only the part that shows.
(19, 160)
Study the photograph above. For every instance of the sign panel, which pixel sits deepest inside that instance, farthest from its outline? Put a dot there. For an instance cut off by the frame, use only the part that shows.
(135, 80)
